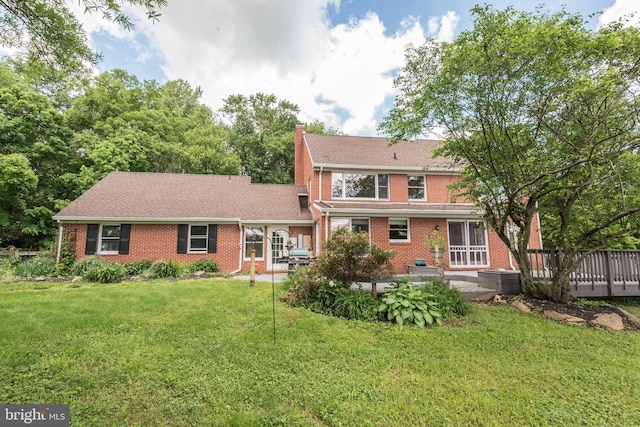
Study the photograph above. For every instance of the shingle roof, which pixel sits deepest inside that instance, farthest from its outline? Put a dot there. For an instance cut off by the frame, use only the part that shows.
(374, 152)
(165, 196)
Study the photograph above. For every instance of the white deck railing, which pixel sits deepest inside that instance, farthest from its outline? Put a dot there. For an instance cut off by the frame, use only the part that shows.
(468, 256)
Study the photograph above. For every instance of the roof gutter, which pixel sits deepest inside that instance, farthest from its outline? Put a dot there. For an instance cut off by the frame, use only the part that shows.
(85, 219)
(378, 168)
(448, 213)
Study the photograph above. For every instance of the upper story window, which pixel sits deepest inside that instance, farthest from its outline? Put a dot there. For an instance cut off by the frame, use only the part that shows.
(359, 186)
(416, 187)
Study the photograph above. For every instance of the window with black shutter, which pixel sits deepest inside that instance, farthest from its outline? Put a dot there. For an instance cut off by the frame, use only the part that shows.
(92, 239)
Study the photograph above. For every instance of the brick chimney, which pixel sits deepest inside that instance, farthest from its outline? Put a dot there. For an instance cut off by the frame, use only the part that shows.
(299, 155)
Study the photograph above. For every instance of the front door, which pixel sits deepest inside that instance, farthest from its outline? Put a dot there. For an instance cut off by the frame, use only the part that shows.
(279, 239)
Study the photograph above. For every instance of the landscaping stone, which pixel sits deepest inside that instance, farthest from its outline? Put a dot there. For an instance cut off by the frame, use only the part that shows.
(610, 320)
(563, 317)
(39, 279)
(521, 306)
(499, 300)
(631, 318)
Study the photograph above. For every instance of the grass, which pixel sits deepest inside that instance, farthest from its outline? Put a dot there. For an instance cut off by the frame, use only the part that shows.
(201, 352)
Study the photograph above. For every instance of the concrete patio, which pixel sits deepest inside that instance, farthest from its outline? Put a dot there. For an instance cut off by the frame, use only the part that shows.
(466, 282)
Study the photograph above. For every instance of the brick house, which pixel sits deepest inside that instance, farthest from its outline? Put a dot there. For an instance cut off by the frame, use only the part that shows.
(395, 193)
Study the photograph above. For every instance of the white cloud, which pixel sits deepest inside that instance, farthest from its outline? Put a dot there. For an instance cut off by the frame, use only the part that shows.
(443, 28)
(340, 75)
(619, 9)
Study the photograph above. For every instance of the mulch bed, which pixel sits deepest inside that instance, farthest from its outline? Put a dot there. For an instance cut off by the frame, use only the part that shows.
(586, 312)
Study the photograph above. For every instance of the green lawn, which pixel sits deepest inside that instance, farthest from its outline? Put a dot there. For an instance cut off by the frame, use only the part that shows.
(201, 352)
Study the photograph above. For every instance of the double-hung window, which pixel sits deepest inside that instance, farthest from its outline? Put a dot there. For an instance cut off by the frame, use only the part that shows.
(416, 184)
(468, 243)
(398, 230)
(355, 225)
(359, 186)
(254, 239)
(198, 238)
(109, 239)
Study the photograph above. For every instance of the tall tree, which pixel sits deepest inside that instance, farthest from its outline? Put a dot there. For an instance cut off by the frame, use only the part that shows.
(47, 31)
(261, 129)
(33, 137)
(539, 111)
(127, 125)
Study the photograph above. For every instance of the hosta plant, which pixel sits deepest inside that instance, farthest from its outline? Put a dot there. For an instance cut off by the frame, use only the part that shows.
(409, 304)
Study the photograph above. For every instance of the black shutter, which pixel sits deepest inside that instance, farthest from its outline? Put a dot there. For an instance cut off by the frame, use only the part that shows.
(123, 245)
(92, 239)
(212, 243)
(183, 231)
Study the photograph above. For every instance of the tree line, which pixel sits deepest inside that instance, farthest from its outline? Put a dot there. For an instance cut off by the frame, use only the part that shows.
(60, 134)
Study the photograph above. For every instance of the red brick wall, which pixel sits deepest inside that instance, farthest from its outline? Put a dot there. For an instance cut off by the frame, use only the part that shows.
(160, 241)
(407, 252)
(438, 191)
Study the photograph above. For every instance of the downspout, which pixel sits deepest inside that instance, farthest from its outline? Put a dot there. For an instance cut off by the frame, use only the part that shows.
(60, 231)
(539, 226)
(239, 249)
(318, 243)
(513, 267)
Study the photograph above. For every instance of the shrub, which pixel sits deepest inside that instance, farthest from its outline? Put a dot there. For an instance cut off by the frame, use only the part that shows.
(81, 267)
(67, 258)
(347, 257)
(136, 268)
(162, 269)
(450, 300)
(105, 272)
(405, 303)
(35, 267)
(206, 265)
(301, 288)
(338, 301)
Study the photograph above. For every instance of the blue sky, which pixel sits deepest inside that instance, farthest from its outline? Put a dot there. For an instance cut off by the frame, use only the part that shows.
(333, 58)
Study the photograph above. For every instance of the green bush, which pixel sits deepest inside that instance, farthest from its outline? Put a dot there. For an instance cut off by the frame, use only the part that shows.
(450, 300)
(347, 257)
(301, 288)
(136, 268)
(162, 269)
(206, 265)
(334, 299)
(67, 259)
(406, 303)
(81, 267)
(105, 272)
(36, 267)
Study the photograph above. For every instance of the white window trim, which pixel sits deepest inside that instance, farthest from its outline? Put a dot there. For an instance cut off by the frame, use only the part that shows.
(377, 186)
(331, 228)
(424, 187)
(408, 239)
(206, 240)
(247, 254)
(468, 246)
(99, 250)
